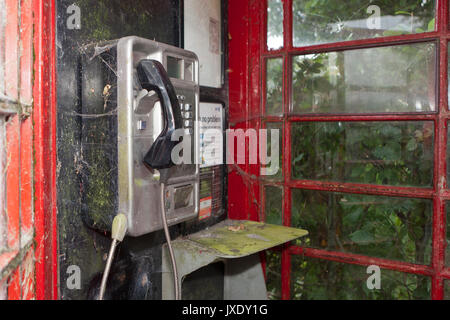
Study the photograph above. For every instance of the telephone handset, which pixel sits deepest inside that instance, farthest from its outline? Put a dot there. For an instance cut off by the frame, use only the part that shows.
(153, 76)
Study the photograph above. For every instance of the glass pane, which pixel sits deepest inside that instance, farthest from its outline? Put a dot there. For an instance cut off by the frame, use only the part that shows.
(274, 24)
(448, 72)
(273, 205)
(273, 275)
(314, 279)
(273, 171)
(447, 290)
(274, 86)
(383, 227)
(324, 21)
(448, 151)
(398, 78)
(388, 153)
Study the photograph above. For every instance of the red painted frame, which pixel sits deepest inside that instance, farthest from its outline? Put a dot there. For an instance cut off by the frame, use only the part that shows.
(44, 117)
(248, 52)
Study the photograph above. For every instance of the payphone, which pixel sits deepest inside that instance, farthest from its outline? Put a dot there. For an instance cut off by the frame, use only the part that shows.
(139, 102)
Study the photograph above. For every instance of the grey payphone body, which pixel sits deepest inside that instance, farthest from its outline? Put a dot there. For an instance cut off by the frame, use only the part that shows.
(129, 110)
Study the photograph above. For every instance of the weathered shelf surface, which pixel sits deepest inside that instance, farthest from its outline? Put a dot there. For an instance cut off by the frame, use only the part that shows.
(239, 238)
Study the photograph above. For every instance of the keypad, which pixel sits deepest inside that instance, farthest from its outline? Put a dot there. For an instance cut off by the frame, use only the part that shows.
(186, 114)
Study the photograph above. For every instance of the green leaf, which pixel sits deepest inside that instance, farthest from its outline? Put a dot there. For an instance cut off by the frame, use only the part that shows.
(299, 158)
(403, 12)
(388, 33)
(431, 25)
(362, 237)
(411, 145)
(368, 167)
(357, 171)
(354, 216)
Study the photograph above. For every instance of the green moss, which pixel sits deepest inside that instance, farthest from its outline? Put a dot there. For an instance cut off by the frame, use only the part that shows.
(242, 238)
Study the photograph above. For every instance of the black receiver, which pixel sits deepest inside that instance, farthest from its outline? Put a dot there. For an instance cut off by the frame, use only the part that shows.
(153, 76)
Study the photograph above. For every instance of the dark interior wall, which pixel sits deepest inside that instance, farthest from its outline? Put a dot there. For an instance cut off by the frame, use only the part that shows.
(136, 273)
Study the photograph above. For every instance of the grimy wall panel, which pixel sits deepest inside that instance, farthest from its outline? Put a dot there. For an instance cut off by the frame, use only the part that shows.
(80, 23)
(136, 273)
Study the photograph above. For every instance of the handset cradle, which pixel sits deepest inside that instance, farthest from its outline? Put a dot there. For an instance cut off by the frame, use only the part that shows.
(153, 76)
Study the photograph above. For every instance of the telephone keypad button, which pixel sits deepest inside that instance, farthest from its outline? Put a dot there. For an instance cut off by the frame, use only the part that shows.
(141, 125)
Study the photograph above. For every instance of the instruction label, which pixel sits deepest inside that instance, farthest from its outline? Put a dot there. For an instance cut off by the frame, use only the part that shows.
(211, 134)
